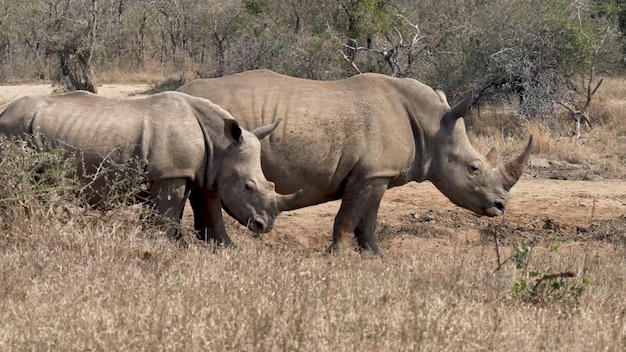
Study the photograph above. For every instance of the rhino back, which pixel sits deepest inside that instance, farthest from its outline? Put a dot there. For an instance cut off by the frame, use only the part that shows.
(330, 130)
(159, 130)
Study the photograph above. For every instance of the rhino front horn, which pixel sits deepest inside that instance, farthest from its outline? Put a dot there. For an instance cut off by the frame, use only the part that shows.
(514, 169)
(286, 202)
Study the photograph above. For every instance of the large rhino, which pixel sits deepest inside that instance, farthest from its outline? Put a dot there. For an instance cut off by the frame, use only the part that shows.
(185, 143)
(352, 139)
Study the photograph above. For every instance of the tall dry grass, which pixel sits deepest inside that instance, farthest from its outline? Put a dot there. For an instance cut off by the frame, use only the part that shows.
(110, 287)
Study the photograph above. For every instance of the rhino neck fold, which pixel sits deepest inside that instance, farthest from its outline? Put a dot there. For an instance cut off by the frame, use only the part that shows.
(418, 169)
(207, 177)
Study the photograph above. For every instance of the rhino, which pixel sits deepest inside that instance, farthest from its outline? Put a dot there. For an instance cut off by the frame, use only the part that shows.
(354, 138)
(183, 142)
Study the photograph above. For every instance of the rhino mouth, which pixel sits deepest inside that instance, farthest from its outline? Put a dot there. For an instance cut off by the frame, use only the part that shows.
(259, 225)
(496, 210)
(256, 224)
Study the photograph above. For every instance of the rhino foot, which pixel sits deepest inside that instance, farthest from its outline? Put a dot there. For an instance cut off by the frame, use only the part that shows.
(336, 247)
(369, 254)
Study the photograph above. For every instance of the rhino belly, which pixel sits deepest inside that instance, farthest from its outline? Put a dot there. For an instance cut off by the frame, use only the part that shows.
(321, 178)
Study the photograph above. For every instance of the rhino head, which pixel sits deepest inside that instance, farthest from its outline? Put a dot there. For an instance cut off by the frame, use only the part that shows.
(470, 180)
(245, 192)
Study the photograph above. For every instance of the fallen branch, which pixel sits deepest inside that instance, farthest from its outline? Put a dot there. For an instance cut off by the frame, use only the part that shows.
(567, 274)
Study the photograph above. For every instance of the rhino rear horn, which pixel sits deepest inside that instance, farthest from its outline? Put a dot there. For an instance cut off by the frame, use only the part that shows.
(286, 202)
(514, 169)
(493, 157)
(266, 130)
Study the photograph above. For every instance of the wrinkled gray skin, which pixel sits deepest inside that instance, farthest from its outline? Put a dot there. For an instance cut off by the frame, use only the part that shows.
(185, 143)
(352, 139)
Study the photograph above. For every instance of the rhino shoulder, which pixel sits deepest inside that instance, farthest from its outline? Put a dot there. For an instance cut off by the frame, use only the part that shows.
(205, 108)
(168, 98)
(172, 103)
(261, 73)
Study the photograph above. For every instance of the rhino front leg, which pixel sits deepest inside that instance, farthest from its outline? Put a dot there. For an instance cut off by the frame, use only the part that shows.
(207, 214)
(168, 199)
(357, 215)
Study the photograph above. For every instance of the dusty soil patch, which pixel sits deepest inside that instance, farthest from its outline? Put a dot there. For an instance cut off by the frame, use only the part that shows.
(10, 93)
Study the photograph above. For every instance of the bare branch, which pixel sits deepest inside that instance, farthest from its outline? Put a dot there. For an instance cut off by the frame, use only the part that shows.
(597, 86)
(351, 62)
(590, 94)
(548, 277)
(418, 34)
(392, 53)
(400, 36)
(567, 107)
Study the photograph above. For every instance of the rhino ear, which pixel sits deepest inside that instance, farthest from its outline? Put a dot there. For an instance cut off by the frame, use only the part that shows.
(232, 131)
(266, 130)
(442, 96)
(459, 110)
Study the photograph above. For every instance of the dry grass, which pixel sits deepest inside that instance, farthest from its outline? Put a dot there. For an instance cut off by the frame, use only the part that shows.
(151, 73)
(108, 287)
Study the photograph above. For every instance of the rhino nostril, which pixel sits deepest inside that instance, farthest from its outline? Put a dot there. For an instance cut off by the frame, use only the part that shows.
(499, 205)
(259, 225)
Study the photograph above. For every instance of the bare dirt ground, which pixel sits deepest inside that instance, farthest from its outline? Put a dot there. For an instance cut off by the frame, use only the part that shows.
(11, 92)
(417, 217)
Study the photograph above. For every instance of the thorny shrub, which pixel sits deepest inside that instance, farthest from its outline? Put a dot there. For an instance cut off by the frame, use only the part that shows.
(45, 183)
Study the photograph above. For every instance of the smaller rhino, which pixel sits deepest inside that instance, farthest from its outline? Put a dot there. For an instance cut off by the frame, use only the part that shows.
(184, 142)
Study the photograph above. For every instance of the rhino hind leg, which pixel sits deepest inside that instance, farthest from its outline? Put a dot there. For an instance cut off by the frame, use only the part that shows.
(208, 220)
(364, 234)
(168, 201)
(357, 215)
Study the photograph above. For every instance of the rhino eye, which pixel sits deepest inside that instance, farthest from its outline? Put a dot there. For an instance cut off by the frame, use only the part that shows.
(473, 169)
(249, 185)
